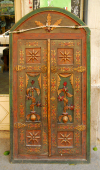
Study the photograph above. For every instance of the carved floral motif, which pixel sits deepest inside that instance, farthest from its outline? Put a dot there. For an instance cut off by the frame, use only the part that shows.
(21, 59)
(78, 60)
(53, 84)
(65, 115)
(33, 56)
(31, 97)
(33, 137)
(77, 84)
(48, 24)
(65, 138)
(21, 107)
(21, 83)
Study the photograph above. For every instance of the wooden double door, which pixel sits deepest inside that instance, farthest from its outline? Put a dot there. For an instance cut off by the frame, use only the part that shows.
(49, 99)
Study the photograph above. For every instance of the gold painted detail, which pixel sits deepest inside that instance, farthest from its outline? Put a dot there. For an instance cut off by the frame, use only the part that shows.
(80, 127)
(31, 97)
(30, 150)
(44, 138)
(58, 81)
(21, 107)
(44, 69)
(65, 56)
(65, 115)
(53, 84)
(71, 127)
(49, 19)
(21, 83)
(32, 43)
(19, 68)
(45, 110)
(35, 68)
(53, 55)
(48, 23)
(65, 138)
(33, 55)
(30, 68)
(77, 84)
(53, 98)
(45, 82)
(65, 127)
(65, 75)
(38, 23)
(77, 108)
(53, 112)
(72, 80)
(56, 23)
(21, 59)
(19, 125)
(79, 69)
(53, 69)
(27, 79)
(39, 81)
(33, 75)
(33, 137)
(78, 61)
(69, 151)
(45, 54)
(69, 44)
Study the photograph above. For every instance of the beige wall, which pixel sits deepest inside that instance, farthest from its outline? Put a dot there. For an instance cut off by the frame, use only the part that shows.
(94, 25)
(4, 112)
(26, 6)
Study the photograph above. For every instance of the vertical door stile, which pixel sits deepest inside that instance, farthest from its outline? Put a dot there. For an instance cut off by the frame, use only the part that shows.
(49, 117)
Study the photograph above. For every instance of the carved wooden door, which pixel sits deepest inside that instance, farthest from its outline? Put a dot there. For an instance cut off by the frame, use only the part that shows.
(66, 99)
(49, 99)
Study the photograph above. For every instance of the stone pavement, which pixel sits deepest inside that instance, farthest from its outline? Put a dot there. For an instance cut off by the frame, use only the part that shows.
(6, 165)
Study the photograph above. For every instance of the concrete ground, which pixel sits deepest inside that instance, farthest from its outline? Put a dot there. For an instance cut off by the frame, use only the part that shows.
(6, 165)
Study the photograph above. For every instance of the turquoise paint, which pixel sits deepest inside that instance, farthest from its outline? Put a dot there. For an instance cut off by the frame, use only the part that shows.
(56, 3)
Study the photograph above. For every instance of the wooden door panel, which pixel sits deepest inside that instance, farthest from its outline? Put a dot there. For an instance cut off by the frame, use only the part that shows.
(32, 97)
(67, 121)
(60, 133)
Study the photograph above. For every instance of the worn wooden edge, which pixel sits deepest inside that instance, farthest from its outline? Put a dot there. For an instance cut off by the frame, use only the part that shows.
(49, 116)
(10, 97)
(74, 17)
(51, 161)
(88, 95)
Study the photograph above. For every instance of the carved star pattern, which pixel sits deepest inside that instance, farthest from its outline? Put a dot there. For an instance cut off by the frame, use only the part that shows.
(65, 56)
(65, 138)
(33, 137)
(33, 55)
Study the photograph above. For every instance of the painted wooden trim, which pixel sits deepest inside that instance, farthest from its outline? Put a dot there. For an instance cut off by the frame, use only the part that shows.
(49, 117)
(10, 96)
(88, 96)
